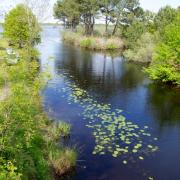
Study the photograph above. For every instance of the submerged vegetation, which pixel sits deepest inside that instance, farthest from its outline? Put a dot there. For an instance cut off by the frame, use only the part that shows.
(29, 142)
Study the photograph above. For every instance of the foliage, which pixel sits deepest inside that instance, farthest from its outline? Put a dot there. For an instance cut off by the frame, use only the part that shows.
(86, 43)
(164, 17)
(24, 145)
(121, 13)
(68, 12)
(21, 27)
(165, 66)
(89, 10)
(143, 50)
(107, 10)
(125, 12)
(133, 33)
(74, 11)
(21, 141)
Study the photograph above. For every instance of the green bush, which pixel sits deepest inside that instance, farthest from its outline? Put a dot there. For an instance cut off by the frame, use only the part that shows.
(133, 33)
(21, 27)
(111, 46)
(143, 49)
(86, 43)
(166, 59)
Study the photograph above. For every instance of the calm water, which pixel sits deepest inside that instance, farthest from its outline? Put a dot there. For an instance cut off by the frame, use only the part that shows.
(104, 86)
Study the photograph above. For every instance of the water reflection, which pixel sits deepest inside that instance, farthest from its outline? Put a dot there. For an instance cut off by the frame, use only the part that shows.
(101, 73)
(165, 103)
(118, 84)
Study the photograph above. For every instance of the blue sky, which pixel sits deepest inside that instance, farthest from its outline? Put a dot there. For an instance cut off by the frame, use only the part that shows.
(153, 5)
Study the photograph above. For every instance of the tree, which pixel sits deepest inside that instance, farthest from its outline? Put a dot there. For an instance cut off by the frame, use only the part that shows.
(107, 10)
(21, 27)
(148, 20)
(125, 12)
(40, 8)
(89, 10)
(164, 17)
(75, 11)
(68, 11)
(165, 66)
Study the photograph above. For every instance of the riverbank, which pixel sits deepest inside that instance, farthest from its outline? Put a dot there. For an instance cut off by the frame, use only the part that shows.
(30, 142)
(92, 42)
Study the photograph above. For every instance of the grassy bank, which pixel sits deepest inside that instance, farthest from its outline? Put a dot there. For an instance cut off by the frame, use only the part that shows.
(93, 42)
(29, 141)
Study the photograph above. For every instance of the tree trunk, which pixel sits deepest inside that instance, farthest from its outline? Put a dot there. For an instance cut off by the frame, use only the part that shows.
(115, 27)
(89, 26)
(106, 31)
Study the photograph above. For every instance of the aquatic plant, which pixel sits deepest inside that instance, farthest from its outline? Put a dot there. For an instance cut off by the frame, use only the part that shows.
(55, 130)
(113, 133)
(64, 129)
(62, 161)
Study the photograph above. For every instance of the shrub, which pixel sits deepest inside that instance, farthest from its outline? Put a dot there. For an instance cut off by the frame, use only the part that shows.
(71, 37)
(133, 32)
(166, 62)
(143, 50)
(114, 43)
(86, 43)
(164, 17)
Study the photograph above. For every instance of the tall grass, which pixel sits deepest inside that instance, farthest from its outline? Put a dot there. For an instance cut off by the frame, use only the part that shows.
(93, 42)
(62, 161)
(26, 135)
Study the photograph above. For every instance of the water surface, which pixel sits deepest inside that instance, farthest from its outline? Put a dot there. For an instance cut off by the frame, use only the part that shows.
(104, 97)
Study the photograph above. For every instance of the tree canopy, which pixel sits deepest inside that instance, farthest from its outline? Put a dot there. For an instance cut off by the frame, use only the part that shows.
(166, 60)
(21, 26)
(120, 12)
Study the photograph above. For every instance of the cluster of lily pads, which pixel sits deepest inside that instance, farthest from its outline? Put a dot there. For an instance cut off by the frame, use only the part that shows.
(113, 133)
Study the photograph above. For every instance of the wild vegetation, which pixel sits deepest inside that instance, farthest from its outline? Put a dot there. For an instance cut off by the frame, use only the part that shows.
(165, 64)
(25, 27)
(94, 43)
(146, 35)
(29, 142)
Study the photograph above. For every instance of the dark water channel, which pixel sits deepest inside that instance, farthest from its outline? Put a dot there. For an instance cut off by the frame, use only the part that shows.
(124, 127)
